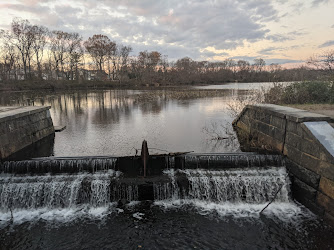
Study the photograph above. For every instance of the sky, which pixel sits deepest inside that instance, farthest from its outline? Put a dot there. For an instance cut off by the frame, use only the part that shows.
(279, 31)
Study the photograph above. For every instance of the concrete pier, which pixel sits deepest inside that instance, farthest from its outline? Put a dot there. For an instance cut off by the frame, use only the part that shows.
(23, 126)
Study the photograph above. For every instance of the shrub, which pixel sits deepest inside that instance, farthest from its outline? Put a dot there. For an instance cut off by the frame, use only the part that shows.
(301, 93)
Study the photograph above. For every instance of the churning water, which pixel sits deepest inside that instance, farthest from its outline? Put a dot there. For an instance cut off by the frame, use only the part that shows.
(237, 185)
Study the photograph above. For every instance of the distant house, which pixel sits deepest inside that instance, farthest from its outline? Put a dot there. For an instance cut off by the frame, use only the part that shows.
(17, 74)
(92, 75)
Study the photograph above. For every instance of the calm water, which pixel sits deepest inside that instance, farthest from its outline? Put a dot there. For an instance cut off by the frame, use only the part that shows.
(243, 85)
(115, 122)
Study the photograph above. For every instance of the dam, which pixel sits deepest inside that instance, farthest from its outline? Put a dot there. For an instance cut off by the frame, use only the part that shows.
(237, 176)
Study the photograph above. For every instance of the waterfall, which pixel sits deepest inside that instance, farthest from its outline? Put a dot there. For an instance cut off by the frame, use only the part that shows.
(54, 183)
(63, 191)
(233, 185)
(168, 190)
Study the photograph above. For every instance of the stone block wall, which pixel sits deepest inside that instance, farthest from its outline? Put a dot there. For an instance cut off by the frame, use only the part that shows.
(307, 140)
(23, 126)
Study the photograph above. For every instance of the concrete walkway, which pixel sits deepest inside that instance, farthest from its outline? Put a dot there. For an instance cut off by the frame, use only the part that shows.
(323, 109)
(5, 109)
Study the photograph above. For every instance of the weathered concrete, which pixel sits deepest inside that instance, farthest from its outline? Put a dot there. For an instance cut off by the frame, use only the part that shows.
(23, 126)
(306, 139)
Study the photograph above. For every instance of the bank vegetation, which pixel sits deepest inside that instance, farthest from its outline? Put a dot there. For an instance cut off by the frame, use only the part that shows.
(308, 92)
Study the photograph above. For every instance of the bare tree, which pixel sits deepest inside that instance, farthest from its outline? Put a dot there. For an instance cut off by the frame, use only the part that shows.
(259, 65)
(100, 48)
(123, 56)
(38, 45)
(243, 69)
(323, 61)
(75, 55)
(8, 57)
(22, 37)
(59, 46)
(147, 63)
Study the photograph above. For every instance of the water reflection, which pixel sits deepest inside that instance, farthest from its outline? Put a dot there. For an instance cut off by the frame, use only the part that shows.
(236, 86)
(113, 122)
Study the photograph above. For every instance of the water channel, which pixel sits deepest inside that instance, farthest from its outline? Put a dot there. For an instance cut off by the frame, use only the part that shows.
(114, 122)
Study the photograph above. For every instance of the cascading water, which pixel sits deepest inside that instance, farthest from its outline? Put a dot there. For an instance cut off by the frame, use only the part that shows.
(69, 183)
(229, 192)
(63, 191)
(233, 185)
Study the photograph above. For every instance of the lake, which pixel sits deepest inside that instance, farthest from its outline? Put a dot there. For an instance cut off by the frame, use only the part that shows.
(115, 122)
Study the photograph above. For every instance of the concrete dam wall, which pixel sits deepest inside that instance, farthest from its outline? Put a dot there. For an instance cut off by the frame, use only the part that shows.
(234, 178)
(307, 139)
(22, 126)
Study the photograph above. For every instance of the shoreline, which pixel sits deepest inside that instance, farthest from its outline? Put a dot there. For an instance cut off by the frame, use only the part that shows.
(73, 85)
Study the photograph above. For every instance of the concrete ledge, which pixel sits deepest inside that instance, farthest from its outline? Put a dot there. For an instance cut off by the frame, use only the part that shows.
(17, 112)
(292, 114)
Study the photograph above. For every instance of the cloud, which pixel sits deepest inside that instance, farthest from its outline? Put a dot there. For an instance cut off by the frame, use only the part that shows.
(268, 61)
(196, 25)
(174, 25)
(316, 3)
(208, 54)
(280, 61)
(245, 58)
(278, 37)
(326, 44)
(25, 8)
(269, 50)
(292, 35)
(276, 50)
(175, 28)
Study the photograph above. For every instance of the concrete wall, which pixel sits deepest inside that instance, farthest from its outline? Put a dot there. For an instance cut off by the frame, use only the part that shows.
(23, 126)
(307, 139)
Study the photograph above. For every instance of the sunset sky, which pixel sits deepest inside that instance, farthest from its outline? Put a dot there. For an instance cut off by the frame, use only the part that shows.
(279, 31)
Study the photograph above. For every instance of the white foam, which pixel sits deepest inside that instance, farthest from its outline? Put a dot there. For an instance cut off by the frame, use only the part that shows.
(132, 203)
(138, 215)
(287, 211)
(58, 215)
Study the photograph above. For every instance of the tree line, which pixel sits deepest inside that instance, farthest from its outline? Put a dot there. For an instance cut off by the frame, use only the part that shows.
(33, 52)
